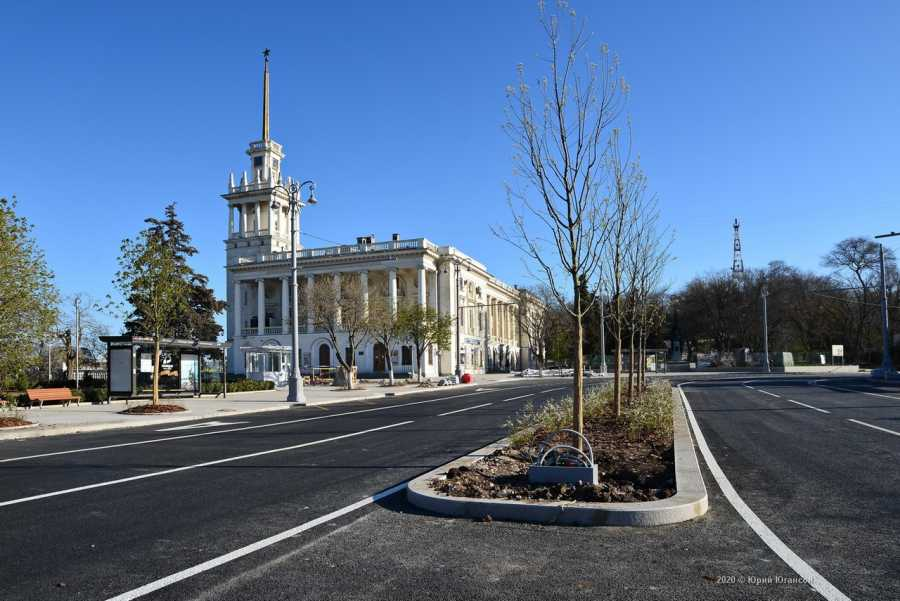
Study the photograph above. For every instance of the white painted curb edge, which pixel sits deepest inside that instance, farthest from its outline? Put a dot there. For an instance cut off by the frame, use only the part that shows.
(689, 502)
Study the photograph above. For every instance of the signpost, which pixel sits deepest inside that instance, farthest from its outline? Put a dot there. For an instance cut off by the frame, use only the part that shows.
(837, 350)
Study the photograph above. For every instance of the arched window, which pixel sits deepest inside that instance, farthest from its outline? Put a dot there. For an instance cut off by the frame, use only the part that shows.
(324, 355)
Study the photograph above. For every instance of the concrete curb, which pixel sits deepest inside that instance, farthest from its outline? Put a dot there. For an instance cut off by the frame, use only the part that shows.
(689, 502)
(25, 427)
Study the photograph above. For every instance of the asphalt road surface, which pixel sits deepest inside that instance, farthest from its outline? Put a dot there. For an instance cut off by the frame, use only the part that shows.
(186, 513)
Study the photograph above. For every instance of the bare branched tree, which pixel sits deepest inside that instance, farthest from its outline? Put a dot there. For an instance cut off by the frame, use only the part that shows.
(560, 135)
(535, 320)
(627, 188)
(339, 308)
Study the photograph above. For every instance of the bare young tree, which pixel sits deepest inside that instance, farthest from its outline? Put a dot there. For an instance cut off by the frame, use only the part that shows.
(385, 328)
(339, 308)
(559, 132)
(535, 321)
(627, 188)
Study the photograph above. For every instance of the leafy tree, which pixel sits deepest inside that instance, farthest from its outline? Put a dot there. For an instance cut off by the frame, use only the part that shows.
(425, 328)
(341, 312)
(28, 296)
(197, 317)
(385, 328)
(157, 287)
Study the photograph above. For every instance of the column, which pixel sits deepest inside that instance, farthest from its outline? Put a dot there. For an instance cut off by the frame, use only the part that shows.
(392, 289)
(364, 285)
(230, 220)
(337, 296)
(310, 282)
(260, 303)
(258, 214)
(271, 218)
(420, 272)
(243, 210)
(236, 310)
(433, 286)
(285, 303)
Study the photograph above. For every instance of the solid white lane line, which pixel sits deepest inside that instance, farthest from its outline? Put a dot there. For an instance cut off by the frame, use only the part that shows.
(803, 569)
(768, 393)
(184, 468)
(465, 409)
(238, 553)
(269, 425)
(518, 397)
(808, 406)
(856, 421)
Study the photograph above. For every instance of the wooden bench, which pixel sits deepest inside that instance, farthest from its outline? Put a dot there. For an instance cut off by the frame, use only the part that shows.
(63, 395)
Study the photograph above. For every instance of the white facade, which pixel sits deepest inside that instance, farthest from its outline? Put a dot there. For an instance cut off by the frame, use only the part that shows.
(485, 331)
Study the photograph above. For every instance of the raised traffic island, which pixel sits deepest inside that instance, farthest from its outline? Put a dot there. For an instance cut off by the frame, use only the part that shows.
(645, 480)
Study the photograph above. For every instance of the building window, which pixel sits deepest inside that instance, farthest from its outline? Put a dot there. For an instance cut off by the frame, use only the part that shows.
(430, 356)
(257, 162)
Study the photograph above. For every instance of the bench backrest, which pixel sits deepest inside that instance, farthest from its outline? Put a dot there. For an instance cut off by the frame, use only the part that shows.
(49, 394)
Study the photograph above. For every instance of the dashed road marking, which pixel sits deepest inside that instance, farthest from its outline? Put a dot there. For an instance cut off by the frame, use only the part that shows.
(184, 468)
(464, 409)
(856, 421)
(808, 406)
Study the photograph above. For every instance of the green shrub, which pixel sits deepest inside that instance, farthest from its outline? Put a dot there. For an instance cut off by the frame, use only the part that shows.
(650, 413)
(238, 386)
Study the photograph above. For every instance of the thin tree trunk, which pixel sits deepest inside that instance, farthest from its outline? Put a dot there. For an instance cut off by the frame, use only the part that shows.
(156, 370)
(631, 366)
(390, 367)
(617, 360)
(578, 378)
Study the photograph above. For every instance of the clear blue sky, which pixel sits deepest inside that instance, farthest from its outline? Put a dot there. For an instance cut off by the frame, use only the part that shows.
(784, 114)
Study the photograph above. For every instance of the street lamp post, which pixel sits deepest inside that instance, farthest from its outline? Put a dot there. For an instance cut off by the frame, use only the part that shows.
(887, 364)
(765, 294)
(456, 263)
(295, 380)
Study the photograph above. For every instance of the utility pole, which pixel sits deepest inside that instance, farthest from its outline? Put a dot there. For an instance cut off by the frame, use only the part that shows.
(765, 294)
(77, 341)
(887, 365)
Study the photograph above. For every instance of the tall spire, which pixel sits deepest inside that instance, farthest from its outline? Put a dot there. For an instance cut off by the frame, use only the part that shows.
(265, 129)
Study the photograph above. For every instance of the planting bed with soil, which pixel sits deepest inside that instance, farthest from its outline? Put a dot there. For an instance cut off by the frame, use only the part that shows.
(632, 464)
(13, 422)
(151, 409)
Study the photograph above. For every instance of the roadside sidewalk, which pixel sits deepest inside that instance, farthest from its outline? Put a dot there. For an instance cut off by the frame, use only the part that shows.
(55, 419)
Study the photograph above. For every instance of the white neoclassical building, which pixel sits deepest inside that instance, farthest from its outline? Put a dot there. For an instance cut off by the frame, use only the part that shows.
(485, 333)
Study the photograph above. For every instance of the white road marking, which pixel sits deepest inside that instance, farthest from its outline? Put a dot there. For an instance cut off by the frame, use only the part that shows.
(856, 421)
(808, 406)
(518, 397)
(803, 569)
(247, 550)
(194, 466)
(464, 409)
(269, 425)
(213, 424)
(768, 393)
(555, 389)
(884, 396)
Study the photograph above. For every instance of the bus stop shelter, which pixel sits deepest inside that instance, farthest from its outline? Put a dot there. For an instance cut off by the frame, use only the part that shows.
(185, 366)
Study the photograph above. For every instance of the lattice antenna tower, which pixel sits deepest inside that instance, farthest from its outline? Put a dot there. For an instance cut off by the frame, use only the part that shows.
(737, 262)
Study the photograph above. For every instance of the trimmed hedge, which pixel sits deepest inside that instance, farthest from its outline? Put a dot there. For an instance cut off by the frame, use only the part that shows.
(238, 386)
